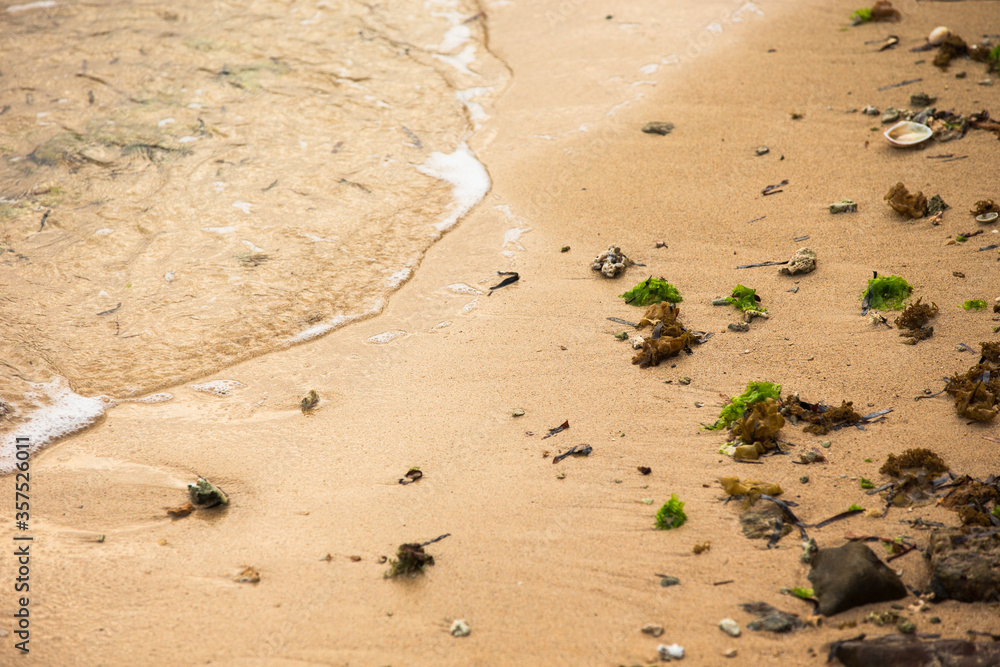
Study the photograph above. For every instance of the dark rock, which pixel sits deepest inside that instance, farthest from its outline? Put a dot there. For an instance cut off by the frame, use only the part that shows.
(759, 521)
(658, 128)
(900, 651)
(964, 565)
(850, 576)
(770, 618)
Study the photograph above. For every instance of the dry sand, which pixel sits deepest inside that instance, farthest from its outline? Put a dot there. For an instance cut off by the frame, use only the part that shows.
(548, 570)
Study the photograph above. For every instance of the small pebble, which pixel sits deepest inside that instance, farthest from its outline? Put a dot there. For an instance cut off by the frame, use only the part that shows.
(685, 380)
(793, 290)
(739, 326)
(730, 627)
(459, 628)
(667, 582)
(731, 653)
(652, 629)
(699, 404)
(934, 619)
(518, 412)
(825, 443)
(986, 82)
(906, 627)
(720, 301)
(763, 150)
(804, 479)
(672, 652)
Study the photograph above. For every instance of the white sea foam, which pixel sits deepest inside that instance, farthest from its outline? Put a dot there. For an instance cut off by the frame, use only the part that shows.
(471, 306)
(398, 278)
(460, 60)
(320, 329)
(218, 387)
(229, 229)
(462, 288)
(67, 413)
(244, 206)
(466, 174)
(385, 337)
(32, 5)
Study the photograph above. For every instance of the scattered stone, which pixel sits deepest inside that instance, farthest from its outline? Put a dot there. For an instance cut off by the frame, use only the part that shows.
(771, 619)
(684, 380)
(518, 412)
(760, 521)
(850, 576)
(870, 111)
(922, 100)
(803, 261)
(793, 290)
(890, 115)
(309, 401)
(720, 301)
(844, 206)
(730, 627)
(825, 444)
(248, 576)
(809, 550)
(637, 342)
(672, 652)
(739, 326)
(207, 494)
(622, 335)
(804, 479)
(934, 619)
(658, 127)
(964, 564)
(906, 627)
(459, 628)
(986, 82)
(180, 512)
(731, 653)
(902, 651)
(611, 262)
(652, 629)
(668, 581)
(763, 150)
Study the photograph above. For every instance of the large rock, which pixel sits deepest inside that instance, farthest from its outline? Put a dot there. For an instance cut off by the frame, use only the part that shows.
(965, 564)
(900, 651)
(850, 576)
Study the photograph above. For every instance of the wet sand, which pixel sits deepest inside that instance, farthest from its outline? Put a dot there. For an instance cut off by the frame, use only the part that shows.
(547, 569)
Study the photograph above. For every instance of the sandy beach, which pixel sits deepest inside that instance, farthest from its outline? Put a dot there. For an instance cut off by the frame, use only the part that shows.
(562, 564)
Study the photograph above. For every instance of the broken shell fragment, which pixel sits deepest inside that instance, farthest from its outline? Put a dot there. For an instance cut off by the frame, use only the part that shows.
(988, 217)
(905, 133)
(611, 262)
(803, 261)
(938, 35)
(844, 206)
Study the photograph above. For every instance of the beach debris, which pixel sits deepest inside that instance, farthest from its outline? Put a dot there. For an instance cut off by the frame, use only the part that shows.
(964, 564)
(850, 576)
(774, 189)
(203, 492)
(701, 548)
(757, 429)
(976, 390)
(906, 133)
(671, 652)
(844, 206)
(913, 321)
(309, 401)
(652, 629)
(750, 490)
(661, 244)
(988, 217)
(971, 499)
(760, 217)
(754, 393)
(669, 336)
(730, 627)
(803, 261)
(411, 476)
(950, 47)
(745, 299)
(621, 321)
(885, 293)
(973, 304)
(985, 206)
(903, 651)
(459, 628)
(652, 290)
(658, 127)
(180, 512)
(575, 450)
(512, 277)
(565, 248)
(411, 559)
(723, 302)
(911, 205)
(558, 429)
(936, 205)
(771, 619)
(611, 262)
(821, 418)
(671, 515)
(762, 150)
(249, 575)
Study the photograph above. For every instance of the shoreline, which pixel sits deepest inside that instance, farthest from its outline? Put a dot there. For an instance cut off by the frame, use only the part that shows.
(542, 568)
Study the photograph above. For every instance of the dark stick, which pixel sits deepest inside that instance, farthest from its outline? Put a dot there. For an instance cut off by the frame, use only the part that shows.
(901, 83)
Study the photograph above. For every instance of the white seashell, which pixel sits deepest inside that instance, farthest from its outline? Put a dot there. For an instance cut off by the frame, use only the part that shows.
(906, 133)
(988, 217)
(938, 35)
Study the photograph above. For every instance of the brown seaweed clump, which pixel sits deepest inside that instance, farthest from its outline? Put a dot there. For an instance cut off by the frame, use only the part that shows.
(971, 499)
(822, 420)
(883, 10)
(952, 47)
(411, 559)
(977, 389)
(900, 199)
(757, 429)
(985, 206)
(669, 335)
(919, 457)
(750, 488)
(914, 320)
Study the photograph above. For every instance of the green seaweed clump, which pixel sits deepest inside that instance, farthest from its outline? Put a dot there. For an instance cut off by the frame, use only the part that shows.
(745, 298)
(866, 484)
(974, 304)
(755, 393)
(671, 515)
(804, 593)
(861, 16)
(855, 508)
(652, 290)
(887, 292)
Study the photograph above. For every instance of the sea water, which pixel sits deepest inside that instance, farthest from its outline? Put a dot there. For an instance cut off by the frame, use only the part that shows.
(190, 184)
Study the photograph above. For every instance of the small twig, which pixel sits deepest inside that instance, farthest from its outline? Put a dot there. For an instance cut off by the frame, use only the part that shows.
(756, 219)
(436, 539)
(901, 83)
(753, 266)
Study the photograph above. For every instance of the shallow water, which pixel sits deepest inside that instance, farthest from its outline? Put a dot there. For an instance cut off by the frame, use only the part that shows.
(186, 185)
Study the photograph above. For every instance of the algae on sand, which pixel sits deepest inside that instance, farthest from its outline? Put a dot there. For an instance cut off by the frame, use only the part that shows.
(671, 515)
(886, 292)
(652, 290)
(745, 298)
(755, 393)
